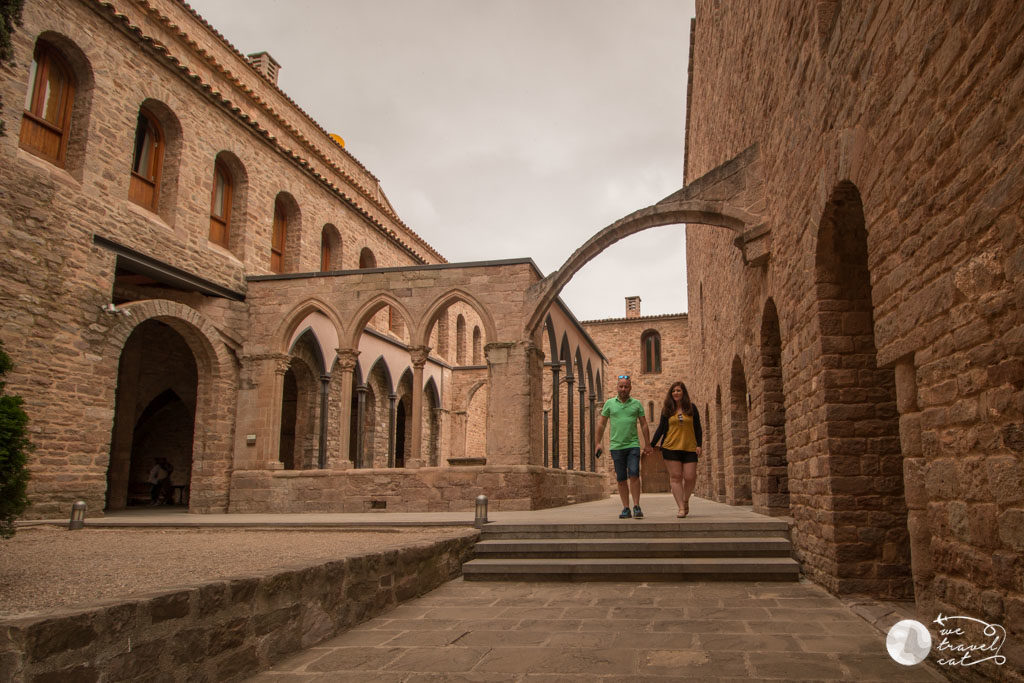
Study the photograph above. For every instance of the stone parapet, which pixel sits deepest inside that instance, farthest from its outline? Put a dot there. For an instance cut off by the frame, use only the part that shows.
(424, 489)
(225, 630)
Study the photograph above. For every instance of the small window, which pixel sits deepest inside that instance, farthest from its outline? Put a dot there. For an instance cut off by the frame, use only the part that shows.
(650, 411)
(47, 120)
(367, 259)
(220, 205)
(147, 160)
(277, 238)
(650, 351)
(325, 251)
(460, 340)
(478, 349)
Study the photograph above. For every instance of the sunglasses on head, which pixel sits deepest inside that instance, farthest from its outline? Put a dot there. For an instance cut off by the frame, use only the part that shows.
(623, 376)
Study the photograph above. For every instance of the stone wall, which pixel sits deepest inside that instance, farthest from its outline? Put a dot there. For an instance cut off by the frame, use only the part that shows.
(424, 489)
(226, 630)
(880, 349)
(619, 339)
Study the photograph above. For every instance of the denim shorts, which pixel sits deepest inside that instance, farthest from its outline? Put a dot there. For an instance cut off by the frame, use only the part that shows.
(627, 463)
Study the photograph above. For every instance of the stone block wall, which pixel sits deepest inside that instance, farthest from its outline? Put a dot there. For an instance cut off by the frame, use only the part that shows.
(880, 347)
(620, 340)
(426, 489)
(225, 630)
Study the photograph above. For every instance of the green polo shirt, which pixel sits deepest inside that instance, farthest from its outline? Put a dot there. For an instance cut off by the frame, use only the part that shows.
(622, 418)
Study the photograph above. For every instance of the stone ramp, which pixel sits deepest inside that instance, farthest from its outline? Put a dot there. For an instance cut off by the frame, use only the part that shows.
(704, 546)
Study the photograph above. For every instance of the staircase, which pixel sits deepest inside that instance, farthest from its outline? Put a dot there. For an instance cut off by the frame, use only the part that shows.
(635, 550)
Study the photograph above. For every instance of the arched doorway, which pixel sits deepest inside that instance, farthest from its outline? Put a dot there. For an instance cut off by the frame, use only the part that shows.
(154, 416)
(771, 478)
(738, 491)
(400, 438)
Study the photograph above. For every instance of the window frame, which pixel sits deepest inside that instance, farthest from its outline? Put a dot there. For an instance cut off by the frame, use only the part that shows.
(277, 246)
(45, 59)
(221, 222)
(140, 185)
(646, 365)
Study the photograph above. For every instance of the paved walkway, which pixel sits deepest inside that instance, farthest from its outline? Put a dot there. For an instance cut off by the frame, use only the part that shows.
(483, 631)
(657, 506)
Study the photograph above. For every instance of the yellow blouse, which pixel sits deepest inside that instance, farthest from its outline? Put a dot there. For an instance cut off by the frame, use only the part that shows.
(680, 435)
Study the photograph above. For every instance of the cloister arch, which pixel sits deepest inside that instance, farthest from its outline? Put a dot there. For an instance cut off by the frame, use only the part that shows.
(738, 466)
(441, 303)
(366, 312)
(770, 483)
(329, 333)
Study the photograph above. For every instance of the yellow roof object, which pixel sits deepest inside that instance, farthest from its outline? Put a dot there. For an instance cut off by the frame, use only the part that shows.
(337, 138)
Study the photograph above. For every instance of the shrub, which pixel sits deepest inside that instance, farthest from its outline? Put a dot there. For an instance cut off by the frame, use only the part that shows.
(14, 448)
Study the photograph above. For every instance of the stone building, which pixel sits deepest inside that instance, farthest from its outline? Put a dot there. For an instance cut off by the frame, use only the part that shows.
(191, 267)
(860, 356)
(654, 351)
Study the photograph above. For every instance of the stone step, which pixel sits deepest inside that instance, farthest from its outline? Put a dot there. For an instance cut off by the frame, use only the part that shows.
(633, 569)
(635, 547)
(633, 528)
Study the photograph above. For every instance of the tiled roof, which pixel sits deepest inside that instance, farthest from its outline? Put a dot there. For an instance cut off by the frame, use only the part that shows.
(637, 319)
(217, 96)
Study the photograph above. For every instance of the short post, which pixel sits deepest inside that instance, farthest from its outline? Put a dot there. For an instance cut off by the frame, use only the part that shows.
(77, 520)
(481, 511)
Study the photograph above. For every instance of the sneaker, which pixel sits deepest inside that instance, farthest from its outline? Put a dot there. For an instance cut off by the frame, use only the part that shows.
(625, 514)
(637, 512)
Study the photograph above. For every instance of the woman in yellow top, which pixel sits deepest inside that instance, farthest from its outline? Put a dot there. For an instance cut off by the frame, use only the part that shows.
(680, 428)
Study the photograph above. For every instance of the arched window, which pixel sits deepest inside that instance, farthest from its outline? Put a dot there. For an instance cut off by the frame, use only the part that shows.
(367, 259)
(47, 120)
(220, 204)
(478, 349)
(460, 340)
(650, 351)
(147, 160)
(278, 236)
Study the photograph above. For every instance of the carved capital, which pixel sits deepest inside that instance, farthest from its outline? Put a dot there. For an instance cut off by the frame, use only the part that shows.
(347, 359)
(418, 355)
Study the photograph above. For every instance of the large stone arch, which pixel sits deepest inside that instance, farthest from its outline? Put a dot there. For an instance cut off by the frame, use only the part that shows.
(213, 431)
(727, 196)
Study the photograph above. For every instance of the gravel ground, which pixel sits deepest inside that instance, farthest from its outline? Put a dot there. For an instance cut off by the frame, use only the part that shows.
(47, 567)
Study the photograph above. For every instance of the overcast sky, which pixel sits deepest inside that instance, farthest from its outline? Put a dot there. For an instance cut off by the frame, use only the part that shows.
(501, 128)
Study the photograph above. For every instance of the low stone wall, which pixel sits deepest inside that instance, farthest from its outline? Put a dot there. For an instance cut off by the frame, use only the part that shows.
(426, 489)
(225, 630)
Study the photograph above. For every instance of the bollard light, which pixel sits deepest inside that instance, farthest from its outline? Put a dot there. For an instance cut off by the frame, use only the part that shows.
(77, 515)
(481, 511)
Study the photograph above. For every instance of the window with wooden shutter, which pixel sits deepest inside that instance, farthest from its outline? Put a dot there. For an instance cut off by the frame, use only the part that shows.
(47, 120)
(220, 205)
(147, 160)
(277, 238)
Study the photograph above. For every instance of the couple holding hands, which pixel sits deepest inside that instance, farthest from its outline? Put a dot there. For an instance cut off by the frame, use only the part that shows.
(678, 432)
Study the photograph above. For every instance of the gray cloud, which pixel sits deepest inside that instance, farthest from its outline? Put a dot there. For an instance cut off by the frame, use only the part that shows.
(501, 128)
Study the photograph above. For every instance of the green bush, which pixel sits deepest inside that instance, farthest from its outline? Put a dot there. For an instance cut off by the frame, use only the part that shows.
(14, 448)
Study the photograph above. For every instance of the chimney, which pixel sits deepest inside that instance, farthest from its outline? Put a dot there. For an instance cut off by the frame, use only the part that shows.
(632, 307)
(266, 65)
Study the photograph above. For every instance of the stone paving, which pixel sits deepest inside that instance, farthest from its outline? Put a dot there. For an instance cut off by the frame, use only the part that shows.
(510, 631)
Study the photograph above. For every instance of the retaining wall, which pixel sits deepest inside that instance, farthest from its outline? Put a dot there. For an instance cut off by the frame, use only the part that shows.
(225, 630)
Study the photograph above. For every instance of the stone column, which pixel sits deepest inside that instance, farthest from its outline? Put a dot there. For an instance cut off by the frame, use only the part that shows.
(593, 431)
(546, 461)
(325, 383)
(346, 366)
(555, 414)
(262, 410)
(569, 381)
(360, 457)
(391, 429)
(583, 425)
(418, 356)
(914, 471)
(514, 426)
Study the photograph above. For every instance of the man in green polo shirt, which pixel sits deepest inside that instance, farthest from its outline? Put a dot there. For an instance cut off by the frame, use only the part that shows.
(624, 412)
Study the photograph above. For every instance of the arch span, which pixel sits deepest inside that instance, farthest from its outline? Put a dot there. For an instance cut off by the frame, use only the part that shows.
(444, 301)
(726, 196)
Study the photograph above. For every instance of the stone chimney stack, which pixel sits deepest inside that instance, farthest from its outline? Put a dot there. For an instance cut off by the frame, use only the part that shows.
(266, 65)
(632, 307)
